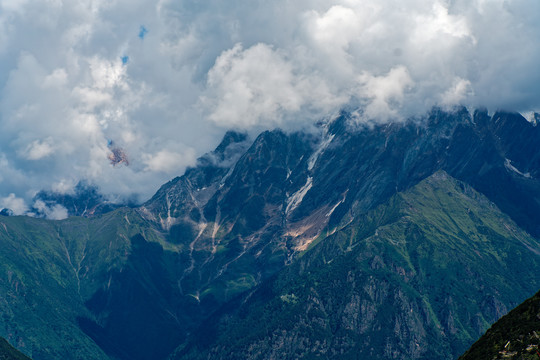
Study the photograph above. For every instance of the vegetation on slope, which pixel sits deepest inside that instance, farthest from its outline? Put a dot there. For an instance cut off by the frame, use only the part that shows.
(418, 278)
(132, 283)
(49, 269)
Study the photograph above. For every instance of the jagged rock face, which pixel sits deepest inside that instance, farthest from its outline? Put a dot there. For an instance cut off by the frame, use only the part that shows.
(503, 164)
(242, 217)
(245, 211)
(227, 214)
(361, 169)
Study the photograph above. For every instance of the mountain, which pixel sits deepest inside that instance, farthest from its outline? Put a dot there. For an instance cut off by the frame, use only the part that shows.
(515, 336)
(135, 283)
(281, 185)
(419, 277)
(8, 352)
(240, 221)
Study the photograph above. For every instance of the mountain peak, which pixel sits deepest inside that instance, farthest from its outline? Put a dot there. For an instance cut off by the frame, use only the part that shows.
(230, 137)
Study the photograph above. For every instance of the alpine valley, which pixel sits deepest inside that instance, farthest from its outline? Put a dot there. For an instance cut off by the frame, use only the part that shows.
(399, 240)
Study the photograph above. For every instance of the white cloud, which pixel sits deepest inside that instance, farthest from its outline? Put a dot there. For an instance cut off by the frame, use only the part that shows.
(460, 90)
(430, 26)
(15, 204)
(385, 94)
(57, 79)
(260, 86)
(76, 75)
(64, 186)
(169, 162)
(54, 212)
(334, 30)
(38, 149)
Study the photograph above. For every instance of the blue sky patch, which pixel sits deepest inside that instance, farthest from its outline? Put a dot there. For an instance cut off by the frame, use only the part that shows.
(125, 59)
(142, 32)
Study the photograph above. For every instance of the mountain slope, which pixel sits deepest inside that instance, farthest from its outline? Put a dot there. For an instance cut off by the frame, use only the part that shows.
(515, 336)
(52, 273)
(419, 277)
(225, 216)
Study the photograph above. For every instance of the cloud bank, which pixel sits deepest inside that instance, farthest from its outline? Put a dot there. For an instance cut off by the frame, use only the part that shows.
(164, 80)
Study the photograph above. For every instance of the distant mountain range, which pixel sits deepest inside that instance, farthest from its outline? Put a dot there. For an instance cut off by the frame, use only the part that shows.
(85, 200)
(392, 241)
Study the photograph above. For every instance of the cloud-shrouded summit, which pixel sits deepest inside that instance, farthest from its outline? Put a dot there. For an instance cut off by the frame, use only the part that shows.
(163, 80)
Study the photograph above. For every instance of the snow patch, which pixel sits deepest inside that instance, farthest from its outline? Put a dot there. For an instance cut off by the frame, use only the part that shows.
(328, 214)
(289, 172)
(169, 221)
(224, 179)
(295, 199)
(471, 110)
(334, 208)
(531, 116)
(322, 146)
(509, 166)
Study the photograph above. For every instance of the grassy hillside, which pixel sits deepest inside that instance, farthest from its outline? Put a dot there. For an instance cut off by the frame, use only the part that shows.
(419, 277)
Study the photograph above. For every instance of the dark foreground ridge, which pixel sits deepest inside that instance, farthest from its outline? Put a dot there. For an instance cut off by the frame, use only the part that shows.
(8, 352)
(515, 336)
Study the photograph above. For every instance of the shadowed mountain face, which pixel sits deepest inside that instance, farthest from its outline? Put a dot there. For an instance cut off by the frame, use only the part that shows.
(134, 283)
